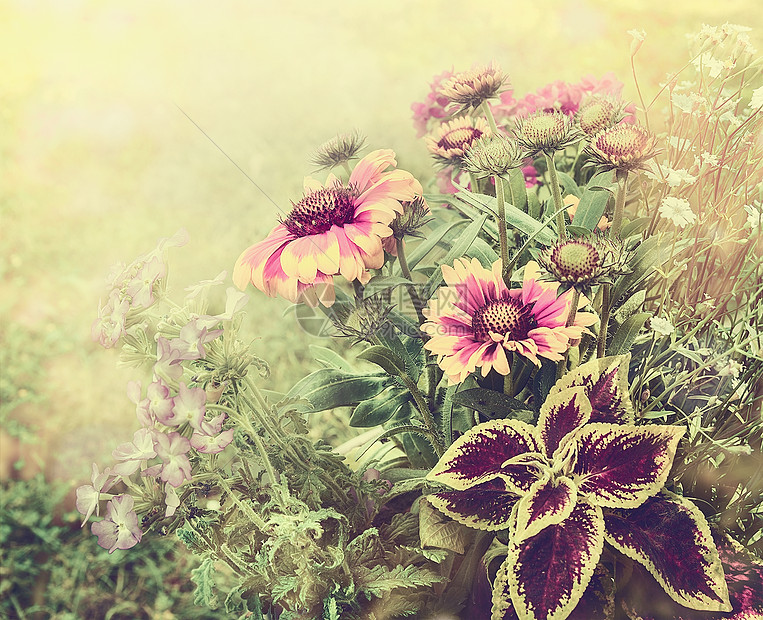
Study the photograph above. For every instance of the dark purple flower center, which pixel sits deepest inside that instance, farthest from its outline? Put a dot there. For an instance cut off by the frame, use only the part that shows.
(504, 316)
(319, 210)
(459, 138)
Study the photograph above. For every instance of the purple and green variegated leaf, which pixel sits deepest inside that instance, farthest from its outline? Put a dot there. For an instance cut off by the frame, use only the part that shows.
(606, 383)
(561, 413)
(620, 466)
(548, 502)
(485, 506)
(480, 453)
(670, 537)
(546, 576)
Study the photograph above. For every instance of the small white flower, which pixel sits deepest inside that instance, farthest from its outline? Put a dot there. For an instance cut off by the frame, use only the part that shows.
(711, 63)
(729, 368)
(677, 210)
(639, 35)
(660, 326)
(685, 103)
(757, 98)
(679, 143)
(709, 159)
(674, 178)
(754, 216)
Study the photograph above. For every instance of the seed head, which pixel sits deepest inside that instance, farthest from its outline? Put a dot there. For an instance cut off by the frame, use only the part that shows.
(470, 88)
(598, 113)
(622, 147)
(493, 156)
(546, 132)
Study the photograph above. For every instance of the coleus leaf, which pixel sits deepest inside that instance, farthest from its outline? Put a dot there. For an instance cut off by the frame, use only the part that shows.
(549, 501)
(670, 537)
(545, 576)
(620, 466)
(561, 413)
(482, 453)
(485, 506)
(606, 383)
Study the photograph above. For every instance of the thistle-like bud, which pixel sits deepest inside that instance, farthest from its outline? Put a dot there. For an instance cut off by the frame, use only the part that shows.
(546, 132)
(452, 139)
(622, 147)
(493, 156)
(415, 214)
(583, 263)
(338, 150)
(598, 113)
(470, 88)
(362, 321)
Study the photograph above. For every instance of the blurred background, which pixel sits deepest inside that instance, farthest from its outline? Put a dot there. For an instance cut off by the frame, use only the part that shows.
(98, 157)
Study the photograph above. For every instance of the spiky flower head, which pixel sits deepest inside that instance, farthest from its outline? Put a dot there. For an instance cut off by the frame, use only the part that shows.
(338, 150)
(415, 215)
(546, 131)
(470, 88)
(363, 321)
(584, 262)
(493, 156)
(597, 113)
(450, 142)
(622, 147)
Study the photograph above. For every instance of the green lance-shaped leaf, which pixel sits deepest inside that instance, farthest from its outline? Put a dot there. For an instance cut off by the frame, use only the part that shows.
(329, 358)
(383, 283)
(430, 243)
(385, 358)
(492, 404)
(328, 388)
(379, 409)
(606, 386)
(458, 250)
(546, 575)
(670, 537)
(627, 332)
(515, 217)
(517, 189)
(569, 185)
(593, 201)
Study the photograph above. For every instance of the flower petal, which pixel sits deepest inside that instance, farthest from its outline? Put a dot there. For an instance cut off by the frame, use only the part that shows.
(670, 537)
(620, 466)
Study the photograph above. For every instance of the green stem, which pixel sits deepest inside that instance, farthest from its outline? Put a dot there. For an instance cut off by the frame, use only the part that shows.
(556, 192)
(418, 305)
(617, 218)
(562, 366)
(426, 414)
(502, 238)
(601, 343)
(489, 117)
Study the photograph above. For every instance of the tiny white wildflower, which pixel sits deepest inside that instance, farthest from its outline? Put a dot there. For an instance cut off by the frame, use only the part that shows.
(757, 99)
(677, 210)
(729, 368)
(674, 178)
(709, 159)
(754, 216)
(707, 61)
(663, 327)
(639, 35)
(685, 103)
(679, 143)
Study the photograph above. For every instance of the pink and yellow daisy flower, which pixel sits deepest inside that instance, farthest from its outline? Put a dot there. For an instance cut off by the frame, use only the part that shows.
(335, 229)
(476, 320)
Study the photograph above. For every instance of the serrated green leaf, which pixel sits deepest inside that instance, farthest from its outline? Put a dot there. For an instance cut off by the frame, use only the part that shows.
(328, 388)
(436, 530)
(378, 410)
(492, 404)
(627, 332)
(204, 595)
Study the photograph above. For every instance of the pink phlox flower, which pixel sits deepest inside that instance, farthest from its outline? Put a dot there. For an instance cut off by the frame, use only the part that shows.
(171, 500)
(157, 405)
(335, 229)
(193, 336)
(211, 444)
(435, 106)
(131, 453)
(168, 365)
(152, 472)
(189, 406)
(202, 288)
(88, 496)
(109, 327)
(172, 449)
(119, 529)
(141, 289)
